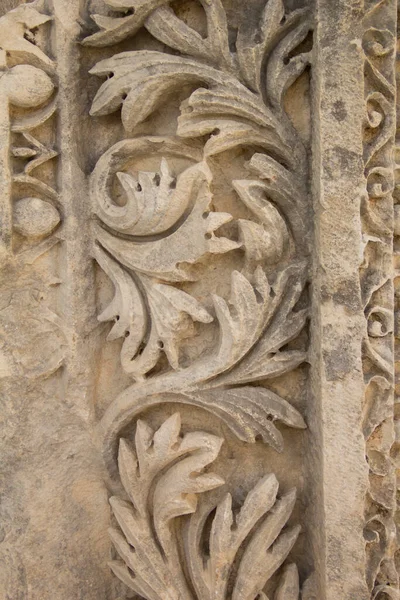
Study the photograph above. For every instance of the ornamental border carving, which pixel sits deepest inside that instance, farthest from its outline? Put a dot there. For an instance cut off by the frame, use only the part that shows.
(377, 218)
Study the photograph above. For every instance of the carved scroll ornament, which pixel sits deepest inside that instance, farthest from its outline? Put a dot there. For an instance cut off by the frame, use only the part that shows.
(156, 242)
(377, 291)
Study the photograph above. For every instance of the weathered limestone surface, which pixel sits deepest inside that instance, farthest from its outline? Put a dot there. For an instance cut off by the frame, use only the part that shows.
(198, 310)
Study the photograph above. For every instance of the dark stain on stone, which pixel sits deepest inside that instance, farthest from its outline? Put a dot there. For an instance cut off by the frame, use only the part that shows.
(346, 293)
(339, 110)
(340, 160)
(339, 360)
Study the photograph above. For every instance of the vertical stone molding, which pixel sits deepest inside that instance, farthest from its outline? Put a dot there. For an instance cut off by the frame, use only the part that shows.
(339, 322)
(198, 305)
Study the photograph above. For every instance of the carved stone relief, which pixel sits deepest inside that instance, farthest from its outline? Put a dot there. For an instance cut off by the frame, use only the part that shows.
(165, 281)
(377, 289)
(165, 235)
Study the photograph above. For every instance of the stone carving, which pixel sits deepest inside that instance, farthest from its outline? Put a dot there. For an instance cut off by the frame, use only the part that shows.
(167, 264)
(32, 333)
(161, 237)
(163, 478)
(29, 205)
(377, 293)
(258, 318)
(26, 86)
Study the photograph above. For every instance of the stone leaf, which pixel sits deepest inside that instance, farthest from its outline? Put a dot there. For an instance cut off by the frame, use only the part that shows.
(127, 308)
(265, 243)
(281, 187)
(141, 80)
(173, 466)
(164, 25)
(14, 38)
(256, 322)
(225, 133)
(115, 29)
(163, 474)
(251, 411)
(241, 320)
(266, 545)
(157, 201)
(227, 98)
(154, 452)
(263, 359)
(172, 313)
(151, 194)
(289, 588)
(283, 69)
(252, 43)
(160, 204)
(266, 551)
(170, 258)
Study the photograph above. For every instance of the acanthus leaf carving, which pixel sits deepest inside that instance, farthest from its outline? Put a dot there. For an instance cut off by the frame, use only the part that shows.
(283, 70)
(162, 238)
(127, 308)
(153, 214)
(289, 587)
(251, 412)
(175, 494)
(115, 29)
(173, 313)
(164, 479)
(229, 531)
(252, 334)
(260, 357)
(252, 45)
(148, 75)
(169, 205)
(169, 258)
(162, 23)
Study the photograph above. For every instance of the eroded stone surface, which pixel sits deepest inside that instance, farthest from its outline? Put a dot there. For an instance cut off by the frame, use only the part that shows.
(196, 300)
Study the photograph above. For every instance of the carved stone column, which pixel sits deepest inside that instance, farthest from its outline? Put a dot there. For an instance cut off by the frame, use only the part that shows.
(197, 300)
